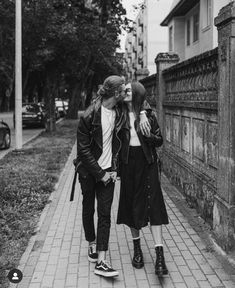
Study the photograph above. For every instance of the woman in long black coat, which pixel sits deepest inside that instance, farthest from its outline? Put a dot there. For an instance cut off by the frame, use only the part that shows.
(141, 200)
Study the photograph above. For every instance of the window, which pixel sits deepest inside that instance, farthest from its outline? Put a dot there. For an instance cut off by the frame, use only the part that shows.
(206, 14)
(171, 38)
(188, 32)
(195, 27)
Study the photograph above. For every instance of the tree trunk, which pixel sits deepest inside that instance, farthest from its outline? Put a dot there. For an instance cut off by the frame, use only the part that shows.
(50, 123)
(25, 81)
(77, 95)
(74, 102)
(90, 85)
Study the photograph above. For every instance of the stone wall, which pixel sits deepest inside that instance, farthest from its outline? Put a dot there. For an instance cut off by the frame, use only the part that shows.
(150, 85)
(190, 129)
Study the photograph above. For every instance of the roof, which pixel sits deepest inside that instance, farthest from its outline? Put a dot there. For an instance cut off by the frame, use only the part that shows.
(179, 8)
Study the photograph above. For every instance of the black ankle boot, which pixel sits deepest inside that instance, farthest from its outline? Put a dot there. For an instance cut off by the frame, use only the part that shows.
(137, 261)
(160, 265)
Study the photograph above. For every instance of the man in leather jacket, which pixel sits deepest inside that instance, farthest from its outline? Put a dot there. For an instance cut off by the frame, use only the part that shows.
(98, 145)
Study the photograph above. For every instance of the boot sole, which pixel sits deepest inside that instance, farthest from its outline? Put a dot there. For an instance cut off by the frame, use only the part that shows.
(161, 273)
(137, 265)
(92, 260)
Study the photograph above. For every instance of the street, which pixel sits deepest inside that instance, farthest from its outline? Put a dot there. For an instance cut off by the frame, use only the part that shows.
(28, 133)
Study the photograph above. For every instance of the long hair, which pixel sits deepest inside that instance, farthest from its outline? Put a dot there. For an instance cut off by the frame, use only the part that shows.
(138, 97)
(111, 85)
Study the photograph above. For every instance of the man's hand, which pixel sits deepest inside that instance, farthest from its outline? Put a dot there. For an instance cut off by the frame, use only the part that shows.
(144, 125)
(106, 179)
(113, 175)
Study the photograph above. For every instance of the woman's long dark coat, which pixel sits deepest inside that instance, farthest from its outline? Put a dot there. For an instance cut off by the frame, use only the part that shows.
(141, 200)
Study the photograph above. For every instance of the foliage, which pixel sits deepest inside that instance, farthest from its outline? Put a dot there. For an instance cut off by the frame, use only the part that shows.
(25, 189)
(66, 44)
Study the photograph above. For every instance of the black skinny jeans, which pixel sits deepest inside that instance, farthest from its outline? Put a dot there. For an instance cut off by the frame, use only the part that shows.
(104, 195)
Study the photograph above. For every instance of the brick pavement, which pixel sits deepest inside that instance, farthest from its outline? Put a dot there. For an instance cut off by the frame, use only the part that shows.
(57, 255)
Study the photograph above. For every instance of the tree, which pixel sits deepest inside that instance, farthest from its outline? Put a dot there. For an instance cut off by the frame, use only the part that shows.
(65, 41)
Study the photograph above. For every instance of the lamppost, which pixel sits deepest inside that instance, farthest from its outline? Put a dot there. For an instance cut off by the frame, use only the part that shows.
(18, 74)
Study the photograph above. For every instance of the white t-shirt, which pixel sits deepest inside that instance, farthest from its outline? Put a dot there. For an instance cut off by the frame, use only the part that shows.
(107, 122)
(134, 141)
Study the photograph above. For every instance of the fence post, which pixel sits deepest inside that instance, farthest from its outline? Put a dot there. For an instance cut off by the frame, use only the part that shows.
(224, 208)
(163, 61)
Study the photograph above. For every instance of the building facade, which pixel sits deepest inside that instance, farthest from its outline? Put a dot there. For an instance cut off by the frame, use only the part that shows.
(146, 39)
(191, 27)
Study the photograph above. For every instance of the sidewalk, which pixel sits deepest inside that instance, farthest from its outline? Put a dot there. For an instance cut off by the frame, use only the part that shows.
(57, 254)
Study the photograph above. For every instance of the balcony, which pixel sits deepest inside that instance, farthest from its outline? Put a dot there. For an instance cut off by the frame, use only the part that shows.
(140, 21)
(140, 41)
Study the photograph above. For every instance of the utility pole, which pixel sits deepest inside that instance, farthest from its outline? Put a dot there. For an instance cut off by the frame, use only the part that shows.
(18, 74)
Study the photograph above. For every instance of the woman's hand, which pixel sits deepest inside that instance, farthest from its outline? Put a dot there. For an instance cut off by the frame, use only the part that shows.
(113, 176)
(106, 179)
(144, 125)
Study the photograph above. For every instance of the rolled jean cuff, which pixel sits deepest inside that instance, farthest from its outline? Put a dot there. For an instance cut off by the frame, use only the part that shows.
(90, 239)
(102, 247)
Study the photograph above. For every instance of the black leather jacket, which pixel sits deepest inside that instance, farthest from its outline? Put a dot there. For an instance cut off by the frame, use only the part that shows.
(89, 141)
(148, 144)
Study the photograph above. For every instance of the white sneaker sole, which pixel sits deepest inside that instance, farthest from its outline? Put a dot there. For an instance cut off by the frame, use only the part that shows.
(106, 274)
(92, 260)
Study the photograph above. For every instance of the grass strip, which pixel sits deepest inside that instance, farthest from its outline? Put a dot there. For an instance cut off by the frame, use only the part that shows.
(27, 178)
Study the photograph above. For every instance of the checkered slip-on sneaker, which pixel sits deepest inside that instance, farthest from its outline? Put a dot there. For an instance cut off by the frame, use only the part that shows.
(92, 254)
(104, 269)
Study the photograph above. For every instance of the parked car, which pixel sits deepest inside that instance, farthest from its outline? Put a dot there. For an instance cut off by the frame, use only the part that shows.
(5, 135)
(33, 114)
(62, 106)
(57, 114)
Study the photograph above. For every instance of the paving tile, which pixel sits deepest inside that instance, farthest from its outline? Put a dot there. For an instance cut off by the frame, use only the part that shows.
(32, 285)
(37, 277)
(50, 270)
(214, 280)
(47, 281)
(204, 284)
(40, 266)
(185, 271)
(199, 275)
(59, 283)
(191, 282)
(179, 260)
(71, 280)
(176, 277)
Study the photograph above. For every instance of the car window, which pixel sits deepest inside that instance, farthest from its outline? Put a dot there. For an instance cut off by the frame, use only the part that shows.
(30, 108)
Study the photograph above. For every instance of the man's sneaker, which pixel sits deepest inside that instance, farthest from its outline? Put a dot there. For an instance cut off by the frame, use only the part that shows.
(104, 269)
(92, 254)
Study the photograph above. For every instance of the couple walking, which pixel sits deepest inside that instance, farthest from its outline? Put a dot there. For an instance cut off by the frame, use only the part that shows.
(119, 132)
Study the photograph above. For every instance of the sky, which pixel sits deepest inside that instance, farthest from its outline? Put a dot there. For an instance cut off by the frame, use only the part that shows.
(128, 4)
